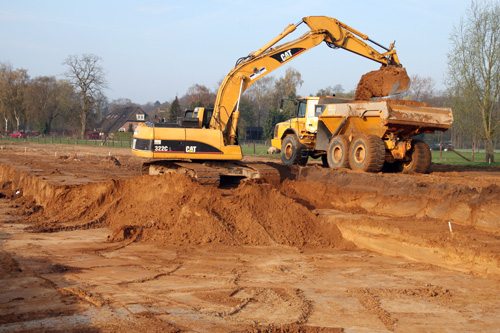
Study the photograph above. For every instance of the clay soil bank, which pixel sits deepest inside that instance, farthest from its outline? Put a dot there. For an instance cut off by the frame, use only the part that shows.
(90, 244)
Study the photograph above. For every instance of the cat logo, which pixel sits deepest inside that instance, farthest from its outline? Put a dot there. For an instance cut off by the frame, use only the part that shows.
(191, 149)
(288, 54)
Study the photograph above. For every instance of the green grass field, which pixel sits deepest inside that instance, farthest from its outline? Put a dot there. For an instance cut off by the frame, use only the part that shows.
(449, 157)
(119, 141)
(445, 157)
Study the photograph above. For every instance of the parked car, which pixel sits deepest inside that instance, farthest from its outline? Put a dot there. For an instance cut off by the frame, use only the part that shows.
(16, 134)
(93, 136)
(445, 146)
(448, 145)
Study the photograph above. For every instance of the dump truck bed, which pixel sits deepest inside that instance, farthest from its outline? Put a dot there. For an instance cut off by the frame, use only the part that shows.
(391, 114)
(387, 118)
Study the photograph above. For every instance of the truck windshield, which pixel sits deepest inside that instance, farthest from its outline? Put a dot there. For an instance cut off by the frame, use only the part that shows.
(302, 109)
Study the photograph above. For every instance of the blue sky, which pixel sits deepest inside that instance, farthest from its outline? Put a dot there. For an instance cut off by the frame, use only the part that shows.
(153, 50)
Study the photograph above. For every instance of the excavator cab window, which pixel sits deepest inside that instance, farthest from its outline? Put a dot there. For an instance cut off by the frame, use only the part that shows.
(207, 115)
(190, 119)
(302, 109)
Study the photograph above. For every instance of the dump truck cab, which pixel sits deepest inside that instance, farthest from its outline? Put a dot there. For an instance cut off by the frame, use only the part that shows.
(304, 125)
(300, 131)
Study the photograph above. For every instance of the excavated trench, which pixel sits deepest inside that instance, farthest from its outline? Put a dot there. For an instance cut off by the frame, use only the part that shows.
(427, 218)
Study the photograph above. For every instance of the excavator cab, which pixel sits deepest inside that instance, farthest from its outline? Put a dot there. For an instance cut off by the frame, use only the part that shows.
(198, 118)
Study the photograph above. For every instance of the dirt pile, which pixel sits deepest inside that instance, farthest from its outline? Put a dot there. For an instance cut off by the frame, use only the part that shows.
(176, 210)
(382, 82)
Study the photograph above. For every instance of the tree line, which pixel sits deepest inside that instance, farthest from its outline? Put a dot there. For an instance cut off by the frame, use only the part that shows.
(76, 103)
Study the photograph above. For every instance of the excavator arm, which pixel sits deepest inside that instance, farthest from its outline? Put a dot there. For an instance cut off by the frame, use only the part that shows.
(268, 58)
(340, 35)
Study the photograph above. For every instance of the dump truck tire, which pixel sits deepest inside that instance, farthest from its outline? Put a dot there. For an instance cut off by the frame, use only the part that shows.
(367, 153)
(420, 158)
(291, 151)
(338, 152)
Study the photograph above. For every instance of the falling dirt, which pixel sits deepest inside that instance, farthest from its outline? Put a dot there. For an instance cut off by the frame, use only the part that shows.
(383, 82)
(89, 244)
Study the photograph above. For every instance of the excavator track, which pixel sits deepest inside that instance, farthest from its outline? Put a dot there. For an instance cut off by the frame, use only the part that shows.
(264, 171)
(210, 172)
(205, 175)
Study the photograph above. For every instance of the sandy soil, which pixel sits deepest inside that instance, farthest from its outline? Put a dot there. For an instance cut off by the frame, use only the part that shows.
(90, 244)
(381, 82)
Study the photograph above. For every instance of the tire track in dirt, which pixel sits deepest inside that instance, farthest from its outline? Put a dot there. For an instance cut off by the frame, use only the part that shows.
(370, 298)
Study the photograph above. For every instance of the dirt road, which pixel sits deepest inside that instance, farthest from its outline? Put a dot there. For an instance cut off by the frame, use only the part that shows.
(88, 244)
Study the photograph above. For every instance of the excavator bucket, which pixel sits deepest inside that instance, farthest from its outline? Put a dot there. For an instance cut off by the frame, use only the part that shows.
(388, 80)
(402, 82)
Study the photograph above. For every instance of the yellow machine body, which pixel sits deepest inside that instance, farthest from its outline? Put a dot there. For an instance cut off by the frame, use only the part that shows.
(211, 134)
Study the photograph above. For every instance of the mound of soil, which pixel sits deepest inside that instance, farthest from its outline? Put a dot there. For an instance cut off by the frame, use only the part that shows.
(176, 210)
(380, 83)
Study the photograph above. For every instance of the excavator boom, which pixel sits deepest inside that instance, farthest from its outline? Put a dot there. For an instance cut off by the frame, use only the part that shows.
(268, 58)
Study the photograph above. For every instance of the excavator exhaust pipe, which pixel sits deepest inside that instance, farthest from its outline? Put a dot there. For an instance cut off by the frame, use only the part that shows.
(388, 80)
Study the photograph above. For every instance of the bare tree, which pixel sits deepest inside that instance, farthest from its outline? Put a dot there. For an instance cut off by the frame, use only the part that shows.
(12, 89)
(422, 89)
(474, 66)
(120, 103)
(336, 90)
(286, 87)
(101, 109)
(68, 104)
(87, 75)
(5, 70)
(260, 95)
(40, 100)
(467, 122)
(197, 95)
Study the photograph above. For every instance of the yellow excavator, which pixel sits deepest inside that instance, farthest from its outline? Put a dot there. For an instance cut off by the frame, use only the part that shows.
(204, 142)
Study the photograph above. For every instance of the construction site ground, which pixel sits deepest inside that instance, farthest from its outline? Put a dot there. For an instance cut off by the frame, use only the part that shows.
(89, 244)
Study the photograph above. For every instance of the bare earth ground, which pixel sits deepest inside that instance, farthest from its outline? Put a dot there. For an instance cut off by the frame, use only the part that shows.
(88, 244)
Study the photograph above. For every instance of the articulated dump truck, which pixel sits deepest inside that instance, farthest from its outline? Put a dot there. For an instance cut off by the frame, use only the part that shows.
(361, 135)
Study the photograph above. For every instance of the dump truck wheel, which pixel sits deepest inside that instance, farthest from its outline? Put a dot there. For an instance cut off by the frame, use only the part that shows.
(367, 153)
(291, 151)
(420, 158)
(338, 152)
